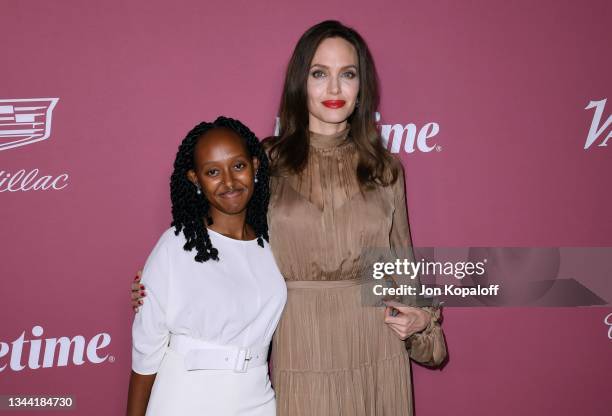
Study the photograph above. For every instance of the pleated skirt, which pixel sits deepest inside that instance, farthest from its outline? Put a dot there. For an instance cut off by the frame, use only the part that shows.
(178, 391)
(333, 356)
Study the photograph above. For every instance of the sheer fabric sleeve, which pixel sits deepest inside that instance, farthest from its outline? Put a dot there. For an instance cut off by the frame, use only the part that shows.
(427, 347)
(150, 332)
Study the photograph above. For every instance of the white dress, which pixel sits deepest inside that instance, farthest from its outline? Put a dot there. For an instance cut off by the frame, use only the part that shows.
(233, 304)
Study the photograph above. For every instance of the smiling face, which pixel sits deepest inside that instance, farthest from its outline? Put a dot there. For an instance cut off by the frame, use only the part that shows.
(225, 172)
(332, 86)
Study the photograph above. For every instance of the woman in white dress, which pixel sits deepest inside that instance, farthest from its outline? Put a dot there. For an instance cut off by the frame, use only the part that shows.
(215, 295)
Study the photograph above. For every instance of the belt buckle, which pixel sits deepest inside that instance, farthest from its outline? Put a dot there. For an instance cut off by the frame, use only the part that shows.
(242, 360)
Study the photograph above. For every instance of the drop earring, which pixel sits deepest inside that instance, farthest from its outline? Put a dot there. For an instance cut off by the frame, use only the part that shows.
(256, 180)
(198, 189)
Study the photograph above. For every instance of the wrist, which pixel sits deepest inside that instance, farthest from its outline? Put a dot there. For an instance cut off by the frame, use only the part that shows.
(433, 318)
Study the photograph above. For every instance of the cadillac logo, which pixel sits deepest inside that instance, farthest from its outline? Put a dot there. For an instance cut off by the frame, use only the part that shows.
(25, 121)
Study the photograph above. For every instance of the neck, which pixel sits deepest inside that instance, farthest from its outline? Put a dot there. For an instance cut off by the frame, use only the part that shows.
(327, 129)
(233, 226)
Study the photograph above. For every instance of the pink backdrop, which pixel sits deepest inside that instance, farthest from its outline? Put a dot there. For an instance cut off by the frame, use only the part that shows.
(506, 83)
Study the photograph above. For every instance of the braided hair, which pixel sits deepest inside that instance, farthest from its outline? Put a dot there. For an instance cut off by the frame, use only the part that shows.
(190, 211)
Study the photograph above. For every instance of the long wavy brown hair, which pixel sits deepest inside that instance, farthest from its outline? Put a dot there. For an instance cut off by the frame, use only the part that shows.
(289, 151)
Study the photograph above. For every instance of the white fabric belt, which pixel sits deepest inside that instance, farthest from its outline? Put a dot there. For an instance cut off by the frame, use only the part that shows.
(202, 355)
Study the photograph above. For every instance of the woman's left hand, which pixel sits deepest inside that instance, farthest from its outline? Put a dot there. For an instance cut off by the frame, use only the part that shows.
(408, 320)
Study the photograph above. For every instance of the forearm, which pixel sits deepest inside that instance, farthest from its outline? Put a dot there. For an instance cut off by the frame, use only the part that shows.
(138, 394)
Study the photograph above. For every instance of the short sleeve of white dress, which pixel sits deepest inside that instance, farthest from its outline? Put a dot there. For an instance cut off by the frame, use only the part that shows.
(150, 332)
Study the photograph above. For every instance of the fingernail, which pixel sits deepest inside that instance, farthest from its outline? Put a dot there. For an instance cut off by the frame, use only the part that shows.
(140, 302)
(143, 294)
(141, 287)
(136, 277)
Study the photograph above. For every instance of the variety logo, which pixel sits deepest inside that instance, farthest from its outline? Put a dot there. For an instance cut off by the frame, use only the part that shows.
(401, 138)
(25, 121)
(54, 352)
(597, 127)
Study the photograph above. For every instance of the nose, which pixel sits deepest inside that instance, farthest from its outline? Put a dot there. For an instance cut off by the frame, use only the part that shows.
(228, 178)
(333, 86)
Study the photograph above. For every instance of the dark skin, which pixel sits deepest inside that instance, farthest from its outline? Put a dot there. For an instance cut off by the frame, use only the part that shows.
(225, 172)
(139, 393)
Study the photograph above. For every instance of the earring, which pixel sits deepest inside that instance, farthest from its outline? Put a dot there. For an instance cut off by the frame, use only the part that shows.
(256, 180)
(198, 190)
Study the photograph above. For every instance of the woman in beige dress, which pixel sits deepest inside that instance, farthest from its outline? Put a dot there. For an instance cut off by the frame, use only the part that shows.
(335, 192)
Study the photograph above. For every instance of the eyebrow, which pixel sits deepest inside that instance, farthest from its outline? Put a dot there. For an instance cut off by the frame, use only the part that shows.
(230, 158)
(326, 67)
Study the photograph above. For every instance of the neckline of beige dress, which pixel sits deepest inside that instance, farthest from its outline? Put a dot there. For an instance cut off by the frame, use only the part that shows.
(329, 141)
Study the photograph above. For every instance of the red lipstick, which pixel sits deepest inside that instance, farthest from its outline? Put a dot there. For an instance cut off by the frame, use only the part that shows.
(334, 103)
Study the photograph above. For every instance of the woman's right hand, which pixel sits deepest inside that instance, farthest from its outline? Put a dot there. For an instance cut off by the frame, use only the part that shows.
(138, 292)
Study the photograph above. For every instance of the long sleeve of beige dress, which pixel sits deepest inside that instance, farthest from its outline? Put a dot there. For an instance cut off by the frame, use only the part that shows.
(332, 355)
(427, 347)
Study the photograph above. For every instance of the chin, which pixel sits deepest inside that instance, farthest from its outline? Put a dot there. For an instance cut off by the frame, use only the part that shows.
(335, 117)
(233, 209)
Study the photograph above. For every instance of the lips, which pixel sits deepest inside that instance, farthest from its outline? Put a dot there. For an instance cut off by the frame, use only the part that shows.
(231, 194)
(334, 103)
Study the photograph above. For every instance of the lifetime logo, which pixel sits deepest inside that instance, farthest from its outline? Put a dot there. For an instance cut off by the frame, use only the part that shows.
(397, 134)
(408, 135)
(597, 128)
(51, 357)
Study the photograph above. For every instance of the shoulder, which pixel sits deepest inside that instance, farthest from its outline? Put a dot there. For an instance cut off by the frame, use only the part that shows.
(393, 172)
(158, 265)
(169, 236)
(396, 163)
(169, 241)
(267, 144)
(398, 186)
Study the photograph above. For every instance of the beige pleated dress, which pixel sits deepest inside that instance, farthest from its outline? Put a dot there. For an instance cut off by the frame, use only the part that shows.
(332, 356)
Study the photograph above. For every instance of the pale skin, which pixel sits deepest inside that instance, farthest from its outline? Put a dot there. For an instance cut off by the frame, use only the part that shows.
(225, 174)
(334, 75)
